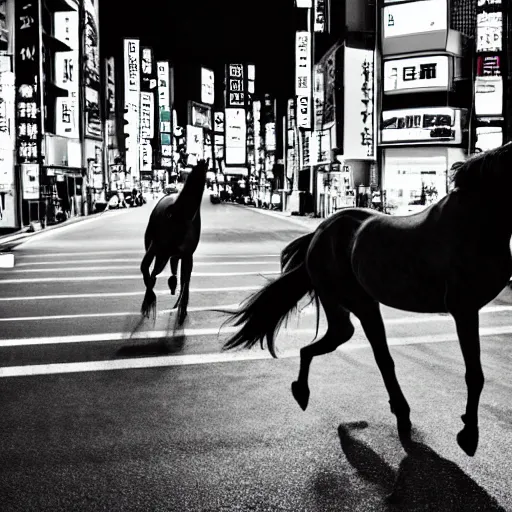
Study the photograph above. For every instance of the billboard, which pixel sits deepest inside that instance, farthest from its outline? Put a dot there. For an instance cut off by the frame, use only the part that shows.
(91, 70)
(132, 105)
(195, 141)
(415, 18)
(488, 65)
(147, 130)
(218, 122)
(200, 115)
(235, 89)
(29, 122)
(488, 137)
(489, 96)
(207, 86)
(416, 74)
(429, 125)
(67, 69)
(358, 119)
(303, 78)
(235, 136)
(489, 32)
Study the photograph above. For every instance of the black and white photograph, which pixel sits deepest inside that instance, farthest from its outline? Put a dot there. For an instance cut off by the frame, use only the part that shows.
(253, 256)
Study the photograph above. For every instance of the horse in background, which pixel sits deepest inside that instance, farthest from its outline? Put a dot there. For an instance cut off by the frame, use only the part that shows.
(173, 233)
(453, 257)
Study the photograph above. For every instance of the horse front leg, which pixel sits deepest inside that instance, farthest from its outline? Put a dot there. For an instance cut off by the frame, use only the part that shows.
(186, 272)
(173, 280)
(467, 324)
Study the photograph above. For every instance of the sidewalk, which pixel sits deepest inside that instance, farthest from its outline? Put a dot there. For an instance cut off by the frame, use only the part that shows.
(310, 223)
(6, 241)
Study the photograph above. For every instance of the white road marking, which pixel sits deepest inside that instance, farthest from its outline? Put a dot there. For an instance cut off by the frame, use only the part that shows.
(222, 357)
(6, 260)
(128, 260)
(124, 294)
(126, 277)
(139, 252)
(231, 307)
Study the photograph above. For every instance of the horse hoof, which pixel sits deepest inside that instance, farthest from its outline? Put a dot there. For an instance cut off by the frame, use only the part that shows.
(301, 395)
(173, 283)
(467, 439)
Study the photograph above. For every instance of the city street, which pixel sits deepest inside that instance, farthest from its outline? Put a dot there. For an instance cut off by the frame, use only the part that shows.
(100, 411)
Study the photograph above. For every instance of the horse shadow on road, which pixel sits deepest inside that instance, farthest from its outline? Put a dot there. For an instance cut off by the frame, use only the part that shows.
(171, 343)
(424, 481)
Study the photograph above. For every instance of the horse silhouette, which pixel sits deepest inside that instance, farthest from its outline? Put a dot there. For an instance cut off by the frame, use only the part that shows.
(173, 233)
(453, 257)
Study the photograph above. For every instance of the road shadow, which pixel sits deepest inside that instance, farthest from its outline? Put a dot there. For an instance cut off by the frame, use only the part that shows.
(171, 343)
(424, 481)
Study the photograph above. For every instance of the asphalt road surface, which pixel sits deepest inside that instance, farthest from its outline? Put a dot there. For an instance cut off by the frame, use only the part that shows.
(93, 418)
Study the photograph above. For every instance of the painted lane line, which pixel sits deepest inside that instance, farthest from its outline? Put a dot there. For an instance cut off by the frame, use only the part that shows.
(124, 294)
(231, 307)
(211, 358)
(136, 260)
(141, 253)
(431, 318)
(122, 277)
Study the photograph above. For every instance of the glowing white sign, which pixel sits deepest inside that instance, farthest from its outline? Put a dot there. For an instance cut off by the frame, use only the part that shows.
(207, 86)
(488, 96)
(303, 78)
(418, 73)
(489, 32)
(131, 103)
(235, 138)
(415, 18)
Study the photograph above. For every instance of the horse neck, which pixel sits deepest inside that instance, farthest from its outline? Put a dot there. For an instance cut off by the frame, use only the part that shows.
(189, 201)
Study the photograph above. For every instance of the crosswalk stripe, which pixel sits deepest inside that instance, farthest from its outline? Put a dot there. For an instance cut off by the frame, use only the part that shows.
(126, 277)
(139, 252)
(210, 358)
(128, 260)
(124, 294)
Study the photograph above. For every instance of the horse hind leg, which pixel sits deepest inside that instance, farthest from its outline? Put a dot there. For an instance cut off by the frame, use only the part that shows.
(173, 280)
(148, 307)
(339, 331)
(368, 312)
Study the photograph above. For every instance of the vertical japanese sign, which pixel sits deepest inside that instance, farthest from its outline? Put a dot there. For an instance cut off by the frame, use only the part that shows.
(146, 130)
(164, 109)
(358, 131)
(91, 67)
(218, 127)
(236, 134)
(207, 86)
(111, 86)
(28, 82)
(291, 147)
(303, 78)
(67, 69)
(251, 78)
(319, 96)
(320, 15)
(258, 141)
(131, 105)
(235, 89)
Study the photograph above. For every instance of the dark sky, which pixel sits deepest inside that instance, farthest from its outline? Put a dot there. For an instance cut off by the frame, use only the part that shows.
(211, 33)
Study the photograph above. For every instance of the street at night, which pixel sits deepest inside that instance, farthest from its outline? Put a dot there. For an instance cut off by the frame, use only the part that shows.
(93, 419)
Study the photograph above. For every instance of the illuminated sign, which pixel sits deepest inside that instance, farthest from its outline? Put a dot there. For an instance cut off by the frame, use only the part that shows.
(488, 137)
(488, 65)
(28, 82)
(251, 78)
(207, 86)
(131, 103)
(235, 137)
(200, 115)
(256, 115)
(67, 69)
(414, 74)
(146, 115)
(164, 111)
(235, 91)
(218, 122)
(195, 141)
(111, 85)
(489, 32)
(303, 78)
(488, 96)
(433, 125)
(415, 18)
(358, 120)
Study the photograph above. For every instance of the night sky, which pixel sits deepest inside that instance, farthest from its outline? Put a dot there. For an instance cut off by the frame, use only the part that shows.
(211, 33)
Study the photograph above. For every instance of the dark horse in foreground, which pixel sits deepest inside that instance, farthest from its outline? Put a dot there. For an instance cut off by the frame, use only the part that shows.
(453, 257)
(173, 233)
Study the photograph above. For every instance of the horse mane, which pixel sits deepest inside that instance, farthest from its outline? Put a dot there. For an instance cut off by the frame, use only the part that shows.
(476, 171)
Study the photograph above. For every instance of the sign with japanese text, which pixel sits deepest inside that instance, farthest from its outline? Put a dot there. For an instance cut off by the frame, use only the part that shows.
(258, 146)
(235, 88)
(358, 123)
(67, 69)
(319, 96)
(303, 78)
(319, 24)
(416, 74)
(251, 78)
(235, 136)
(489, 32)
(429, 125)
(207, 86)
(146, 115)
(28, 83)
(132, 105)
(91, 69)
(488, 65)
(111, 86)
(164, 110)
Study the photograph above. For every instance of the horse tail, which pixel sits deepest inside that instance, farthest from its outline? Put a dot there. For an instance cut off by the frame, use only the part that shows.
(264, 312)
